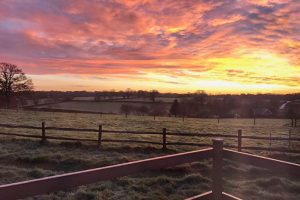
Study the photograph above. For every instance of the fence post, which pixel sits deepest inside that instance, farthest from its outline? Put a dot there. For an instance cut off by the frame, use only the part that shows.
(239, 140)
(270, 139)
(43, 132)
(290, 132)
(99, 135)
(164, 138)
(217, 187)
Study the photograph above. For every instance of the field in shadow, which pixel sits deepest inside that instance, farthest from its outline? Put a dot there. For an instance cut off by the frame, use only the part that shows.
(24, 159)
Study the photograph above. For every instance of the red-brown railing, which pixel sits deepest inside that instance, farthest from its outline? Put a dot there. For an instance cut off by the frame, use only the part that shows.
(60, 182)
(64, 181)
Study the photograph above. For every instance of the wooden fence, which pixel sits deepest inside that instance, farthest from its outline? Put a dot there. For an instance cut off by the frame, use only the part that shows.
(69, 180)
(100, 131)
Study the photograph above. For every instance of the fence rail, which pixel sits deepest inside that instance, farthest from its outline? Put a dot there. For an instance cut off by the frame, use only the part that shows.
(209, 196)
(164, 134)
(68, 180)
(217, 153)
(277, 166)
(19, 126)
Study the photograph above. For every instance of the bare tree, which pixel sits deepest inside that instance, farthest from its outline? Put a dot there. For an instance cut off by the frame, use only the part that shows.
(200, 96)
(158, 109)
(13, 80)
(174, 110)
(126, 109)
(153, 95)
(143, 110)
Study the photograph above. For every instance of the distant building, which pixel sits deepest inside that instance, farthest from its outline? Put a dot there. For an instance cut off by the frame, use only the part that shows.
(290, 109)
(262, 112)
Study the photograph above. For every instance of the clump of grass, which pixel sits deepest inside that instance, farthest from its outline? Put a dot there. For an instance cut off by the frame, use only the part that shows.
(76, 144)
(33, 159)
(272, 182)
(73, 164)
(84, 195)
(36, 173)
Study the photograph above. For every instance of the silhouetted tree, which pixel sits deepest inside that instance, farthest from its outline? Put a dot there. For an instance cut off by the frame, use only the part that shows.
(126, 109)
(158, 109)
(200, 96)
(143, 110)
(292, 114)
(128, 93)
(13, 80)
(183, 109)
(174, 110)
(153, 95)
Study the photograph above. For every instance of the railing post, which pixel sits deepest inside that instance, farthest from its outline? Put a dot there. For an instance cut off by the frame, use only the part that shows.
(99, 135)
(164, 138)
(43, 132)
(217, 187)
(239, 140)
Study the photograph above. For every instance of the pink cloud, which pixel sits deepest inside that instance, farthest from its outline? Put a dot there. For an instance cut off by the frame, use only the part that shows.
(127, 37)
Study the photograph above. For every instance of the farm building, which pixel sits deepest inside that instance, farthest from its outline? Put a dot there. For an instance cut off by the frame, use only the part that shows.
(262, 112)
(290, 109)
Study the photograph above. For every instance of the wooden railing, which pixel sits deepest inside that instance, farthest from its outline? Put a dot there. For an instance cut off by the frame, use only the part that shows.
(209, 196)
(60, 182)
(69, 180)
(164, 134)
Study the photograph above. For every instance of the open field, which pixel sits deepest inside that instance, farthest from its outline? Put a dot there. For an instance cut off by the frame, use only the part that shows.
(96, 107)
(157, 99)
(135, 99)
(23, 159)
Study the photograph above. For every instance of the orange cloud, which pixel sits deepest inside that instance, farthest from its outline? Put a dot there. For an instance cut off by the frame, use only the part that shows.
(181, 45)
(227, 20)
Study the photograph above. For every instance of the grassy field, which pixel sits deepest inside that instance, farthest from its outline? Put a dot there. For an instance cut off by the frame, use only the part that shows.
(100, 107)
(23, 159)
(157, 99)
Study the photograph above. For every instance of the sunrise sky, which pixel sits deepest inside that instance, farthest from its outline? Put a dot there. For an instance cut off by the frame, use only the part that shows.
(230, 46)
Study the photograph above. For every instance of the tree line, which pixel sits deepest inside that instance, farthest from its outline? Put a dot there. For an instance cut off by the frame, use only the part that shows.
(16, 88)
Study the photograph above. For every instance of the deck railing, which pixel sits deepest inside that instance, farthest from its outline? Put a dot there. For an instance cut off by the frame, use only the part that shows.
(217, 153)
